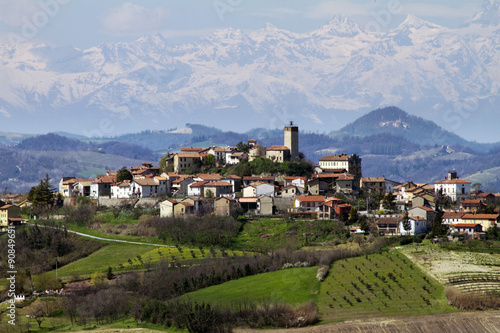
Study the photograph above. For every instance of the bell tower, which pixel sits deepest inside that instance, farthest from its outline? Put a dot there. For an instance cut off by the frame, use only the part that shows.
(292, 140)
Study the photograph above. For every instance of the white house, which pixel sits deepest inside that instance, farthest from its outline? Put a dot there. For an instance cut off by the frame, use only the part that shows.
(101, 186)
(121, 190)
(308, 203)
(418, 226)
(453, 187)
(196, 189)
(144, 188)
(258, 189)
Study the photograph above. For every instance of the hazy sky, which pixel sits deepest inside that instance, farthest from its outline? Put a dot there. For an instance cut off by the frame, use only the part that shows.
(84, 24)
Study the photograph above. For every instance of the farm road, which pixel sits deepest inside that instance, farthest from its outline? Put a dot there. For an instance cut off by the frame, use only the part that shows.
(457, 322)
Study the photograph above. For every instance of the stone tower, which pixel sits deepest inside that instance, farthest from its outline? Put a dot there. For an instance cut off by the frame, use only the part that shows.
(292, 140)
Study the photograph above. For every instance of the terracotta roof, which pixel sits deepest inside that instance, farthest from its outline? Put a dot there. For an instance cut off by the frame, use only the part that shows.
(465, 225)
(198, 184)
(191, 149)
(6, 206)
(453, 215)
(484, 195)
(222, 149)
(187, 204)
(218, 184)
(480, 216)
(327, 175)
(237, 154)
(105, 180)
(452, 181)
(252, 140)
(209, 176)
(295, 177)
(471, 201)
(258, 178)
(417, 218)
(146, 182)
(311, 198)
(233, 177)
(247, 200)
(277, 148)
(189, 155)
(346, 177)
(340, 157)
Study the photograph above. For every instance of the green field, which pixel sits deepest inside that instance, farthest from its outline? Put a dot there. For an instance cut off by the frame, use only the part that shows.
(385, 284)
(293, 285)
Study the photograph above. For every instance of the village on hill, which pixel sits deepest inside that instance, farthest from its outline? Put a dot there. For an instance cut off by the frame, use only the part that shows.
(333, 189)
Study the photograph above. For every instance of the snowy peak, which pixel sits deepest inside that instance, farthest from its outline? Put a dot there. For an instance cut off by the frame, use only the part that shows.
(489, 14)
(340, 26)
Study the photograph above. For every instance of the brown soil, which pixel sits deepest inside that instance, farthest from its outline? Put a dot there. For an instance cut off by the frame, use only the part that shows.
(458, 322)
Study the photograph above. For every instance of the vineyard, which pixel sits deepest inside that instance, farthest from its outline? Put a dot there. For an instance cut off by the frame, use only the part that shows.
(478, 282)
(379, 284)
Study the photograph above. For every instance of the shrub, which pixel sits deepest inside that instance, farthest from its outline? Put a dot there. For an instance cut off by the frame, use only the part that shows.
(471, 301)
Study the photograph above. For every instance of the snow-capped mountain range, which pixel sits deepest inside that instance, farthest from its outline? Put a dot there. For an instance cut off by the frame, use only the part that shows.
(236, 80)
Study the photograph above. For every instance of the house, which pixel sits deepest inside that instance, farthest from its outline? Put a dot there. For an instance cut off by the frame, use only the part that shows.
(256, 189)
(296, 181)
(278, 154)
(333, 208)
(390, 184)
(317, 186)
(236, 158)
(180, 185)
(485, 220)
(308, 203)
(453, 217)
(184, 209)
(144, 188)
(167, 208)
(486, 197)
(221, 154)
(472, 205)
(121, 190)
(218, 189)
(256, 151)
(345, 183)
(183, 161)
(144, 170)
(289, 191)
(101, 186)
(64, 188)
(467, 228)
(351, 163)
(262, 205)
(82, 188)
(453, 187)
(418, 225)
(247, 180)
(9, 215)
(388, 225)
(225, 206)
(427, 213)
(405, 192)
(196, 189)
(374, 185)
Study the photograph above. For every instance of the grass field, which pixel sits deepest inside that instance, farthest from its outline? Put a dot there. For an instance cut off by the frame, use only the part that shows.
(293, 285)
(387, 284)
(272, 233)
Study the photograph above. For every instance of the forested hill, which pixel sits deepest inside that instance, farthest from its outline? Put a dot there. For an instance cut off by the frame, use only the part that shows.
(397, 122)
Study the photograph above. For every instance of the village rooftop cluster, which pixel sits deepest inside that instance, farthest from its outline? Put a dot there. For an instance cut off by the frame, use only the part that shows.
(330, 192)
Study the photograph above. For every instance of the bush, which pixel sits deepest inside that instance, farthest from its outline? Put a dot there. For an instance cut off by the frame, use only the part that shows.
(471, 301)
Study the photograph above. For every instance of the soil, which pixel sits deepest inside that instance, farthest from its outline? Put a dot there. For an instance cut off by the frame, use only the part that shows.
(457, 322)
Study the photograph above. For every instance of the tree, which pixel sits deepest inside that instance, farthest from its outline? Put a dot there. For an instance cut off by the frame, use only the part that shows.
(124, 174)
(438, 228)
(406, 223)
(364, 223)
(476, 187)
(389, 202)
(42, 195)
(209, 160)
(243, 147)
(109, 274)
(353, 215)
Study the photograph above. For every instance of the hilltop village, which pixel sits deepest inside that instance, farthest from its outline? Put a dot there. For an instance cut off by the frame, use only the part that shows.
(333, 189)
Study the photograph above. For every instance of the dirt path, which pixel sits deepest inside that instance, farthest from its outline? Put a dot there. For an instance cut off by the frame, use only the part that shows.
(458, 322)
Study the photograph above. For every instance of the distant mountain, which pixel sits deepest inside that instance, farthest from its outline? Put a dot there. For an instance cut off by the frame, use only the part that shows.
(236, 80)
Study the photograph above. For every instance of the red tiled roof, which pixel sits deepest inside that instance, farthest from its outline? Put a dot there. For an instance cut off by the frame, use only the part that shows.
(209, 176)
(198, 184)
(277, 148)
(373, 179)
(471, 201)
(465, 225)
(426, 208)
(218, 184)
(310, 198)
(296, 177)
(258, 178)
(247, 200)
(480, 216)
(105, 180)
(190, 149)
(453, 215)
(346, 177)
(452, 181)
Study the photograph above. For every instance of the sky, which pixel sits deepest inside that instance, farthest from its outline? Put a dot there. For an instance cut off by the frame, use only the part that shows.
(84, 24)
